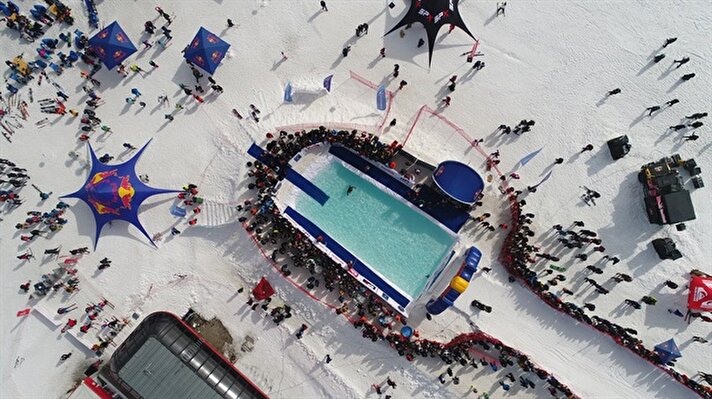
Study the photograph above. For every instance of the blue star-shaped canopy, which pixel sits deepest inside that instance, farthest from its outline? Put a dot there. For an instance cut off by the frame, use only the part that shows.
(433, 14)
(114, 192)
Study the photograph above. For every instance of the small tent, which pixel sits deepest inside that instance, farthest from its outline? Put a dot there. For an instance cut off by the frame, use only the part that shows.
(206, 50)
(700, 297)
(112, 45)
(668, 351)
(263, 290)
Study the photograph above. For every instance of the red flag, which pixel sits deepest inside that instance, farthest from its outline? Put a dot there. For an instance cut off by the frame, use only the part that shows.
(23, 312)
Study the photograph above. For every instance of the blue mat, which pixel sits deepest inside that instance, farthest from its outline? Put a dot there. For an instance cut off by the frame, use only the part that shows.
(446, 214)
(308, 187)
(298, 180)
(346, 256)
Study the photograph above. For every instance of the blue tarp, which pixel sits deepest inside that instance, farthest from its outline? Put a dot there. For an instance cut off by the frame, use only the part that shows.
(206, 50)
(446, 214)
(114, 192)
(112, 45)
(346, 256)
(668, 351)
(459, 181)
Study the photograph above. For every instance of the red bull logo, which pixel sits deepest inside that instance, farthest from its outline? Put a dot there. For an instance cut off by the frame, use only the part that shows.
(120, 37)
(212, 39)
(103, 34)
(215, 56)
(118, 54)
(109, 193)
(199, 60)
(195, 43)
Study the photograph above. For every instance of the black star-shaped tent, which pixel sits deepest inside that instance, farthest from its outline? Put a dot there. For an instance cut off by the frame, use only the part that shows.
(433, 14)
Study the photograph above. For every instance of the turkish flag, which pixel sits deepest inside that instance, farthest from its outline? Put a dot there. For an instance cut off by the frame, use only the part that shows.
(23, 312)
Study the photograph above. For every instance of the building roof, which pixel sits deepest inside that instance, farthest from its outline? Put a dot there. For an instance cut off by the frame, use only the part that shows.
(165, 358)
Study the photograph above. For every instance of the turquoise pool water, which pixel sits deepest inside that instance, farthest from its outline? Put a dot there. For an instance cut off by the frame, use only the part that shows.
(401, 244)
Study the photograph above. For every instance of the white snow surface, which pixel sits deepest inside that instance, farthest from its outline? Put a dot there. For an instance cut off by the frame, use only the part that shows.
(548, 61)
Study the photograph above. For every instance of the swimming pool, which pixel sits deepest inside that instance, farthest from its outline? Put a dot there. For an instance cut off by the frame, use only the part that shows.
(397, 242)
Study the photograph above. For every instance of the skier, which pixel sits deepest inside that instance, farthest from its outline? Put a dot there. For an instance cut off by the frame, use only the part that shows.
(652, 109)
(614, 91)
(687, 76)
(383, 52)
(691, 137)
(672, 102)
(26, 256)
(559, 161)
(671, 284)
(695, 125)
(393, 122)
(396, 70)
(402, 84)
(678, 127)
(682, 61)
(447, 100)
(500, 9)
(588, 147)
(649, 300)
(147, 45)
(421, 42)
(135, 92)
(323, 5)
(634, 304)
(25, 287)
(345, 51)
(300, 333)
(658, 58)
(65, 356)
(169, 117)
(230, 24)
(698, 115)
(669, 41)
(327, 359)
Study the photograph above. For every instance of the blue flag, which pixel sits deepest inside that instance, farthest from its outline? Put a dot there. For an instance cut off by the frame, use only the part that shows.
(288, 92)
(381, 98)
(529, 157)
(327, 83)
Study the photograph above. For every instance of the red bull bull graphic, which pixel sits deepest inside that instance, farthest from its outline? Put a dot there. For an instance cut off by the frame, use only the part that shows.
(110, 193)
(114, 192)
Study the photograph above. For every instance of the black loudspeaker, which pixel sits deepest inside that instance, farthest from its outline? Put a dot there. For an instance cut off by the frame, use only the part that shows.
(697, 182)
(665, 249)
(619, 147)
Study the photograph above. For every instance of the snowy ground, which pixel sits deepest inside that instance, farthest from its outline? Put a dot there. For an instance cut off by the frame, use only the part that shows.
(548, 61)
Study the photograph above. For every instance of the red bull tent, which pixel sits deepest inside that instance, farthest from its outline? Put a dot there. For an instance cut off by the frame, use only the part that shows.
(206, 50)
(114, 192)
(459, 181)
(112, 45)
